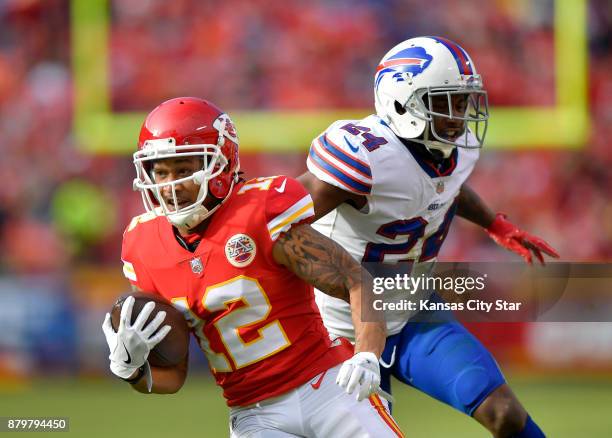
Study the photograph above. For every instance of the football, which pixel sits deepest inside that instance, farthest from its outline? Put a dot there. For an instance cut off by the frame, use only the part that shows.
(173, 349)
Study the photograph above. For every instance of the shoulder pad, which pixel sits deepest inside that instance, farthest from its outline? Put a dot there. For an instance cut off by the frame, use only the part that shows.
(142, 218)
(339, 156)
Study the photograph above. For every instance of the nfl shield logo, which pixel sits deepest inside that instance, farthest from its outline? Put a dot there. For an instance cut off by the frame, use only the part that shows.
(440, 187)
(196, 266)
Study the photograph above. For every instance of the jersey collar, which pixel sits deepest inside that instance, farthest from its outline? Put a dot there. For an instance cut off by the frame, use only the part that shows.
(430, 167)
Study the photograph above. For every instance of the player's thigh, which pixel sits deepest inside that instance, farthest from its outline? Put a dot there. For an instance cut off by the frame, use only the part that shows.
(445, 361)
(331, 412)
(275, 418)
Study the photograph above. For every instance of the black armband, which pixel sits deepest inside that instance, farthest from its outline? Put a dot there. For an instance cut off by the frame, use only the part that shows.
(137, 377)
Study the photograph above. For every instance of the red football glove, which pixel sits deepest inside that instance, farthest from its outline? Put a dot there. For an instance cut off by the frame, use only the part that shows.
(508, 235)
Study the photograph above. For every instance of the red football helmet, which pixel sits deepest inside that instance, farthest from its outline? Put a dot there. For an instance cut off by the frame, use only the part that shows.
(193, 127)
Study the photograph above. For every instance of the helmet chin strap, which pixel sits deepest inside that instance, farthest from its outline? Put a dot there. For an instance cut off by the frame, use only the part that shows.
(445, 149)
(436, 148)
(442, 150)
(191, 219)
(194, 218)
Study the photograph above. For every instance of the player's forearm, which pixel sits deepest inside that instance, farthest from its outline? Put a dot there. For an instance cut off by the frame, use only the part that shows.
(370, 335)
(165, 380)
(318, 260)
(471, 207)
(331, 269)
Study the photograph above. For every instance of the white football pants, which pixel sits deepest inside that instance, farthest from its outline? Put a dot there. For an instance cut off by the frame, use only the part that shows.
(319, 408)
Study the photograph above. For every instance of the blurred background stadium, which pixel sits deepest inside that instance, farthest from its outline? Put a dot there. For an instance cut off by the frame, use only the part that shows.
(77, 78)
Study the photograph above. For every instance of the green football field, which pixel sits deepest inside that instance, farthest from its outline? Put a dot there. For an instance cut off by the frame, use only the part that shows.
(565, 408)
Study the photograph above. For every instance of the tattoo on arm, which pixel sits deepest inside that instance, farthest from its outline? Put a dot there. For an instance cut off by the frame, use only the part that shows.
(473, 208)
(318, 261)
(331, 269)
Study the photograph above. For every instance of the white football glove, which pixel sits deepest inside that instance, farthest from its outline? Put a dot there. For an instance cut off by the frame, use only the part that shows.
(360, 370)
(131, 344)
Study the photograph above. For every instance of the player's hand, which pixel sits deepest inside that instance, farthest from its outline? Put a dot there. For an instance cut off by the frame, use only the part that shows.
(131, 344)
(508, 235)
(361, 371)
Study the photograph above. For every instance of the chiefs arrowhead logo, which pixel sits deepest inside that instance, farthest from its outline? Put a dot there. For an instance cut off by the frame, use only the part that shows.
(240, 250)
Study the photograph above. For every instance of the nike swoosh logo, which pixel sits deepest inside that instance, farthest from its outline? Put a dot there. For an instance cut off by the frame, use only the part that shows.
(316, 385)
(281, 189)
(354, 149)
(129, 359)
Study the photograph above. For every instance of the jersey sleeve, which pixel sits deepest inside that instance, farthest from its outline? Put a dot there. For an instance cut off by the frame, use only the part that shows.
(338, 158)
(288, 203)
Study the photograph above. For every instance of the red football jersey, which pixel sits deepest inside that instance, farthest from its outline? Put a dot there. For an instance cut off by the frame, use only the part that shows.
(256, 321)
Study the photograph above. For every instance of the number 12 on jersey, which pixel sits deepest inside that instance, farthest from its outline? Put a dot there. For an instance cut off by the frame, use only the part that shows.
(249, 306)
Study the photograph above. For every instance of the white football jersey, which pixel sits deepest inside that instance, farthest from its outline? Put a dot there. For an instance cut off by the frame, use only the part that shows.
(410, 203)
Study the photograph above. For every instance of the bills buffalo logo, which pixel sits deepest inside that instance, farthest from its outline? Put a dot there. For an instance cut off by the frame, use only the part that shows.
(240, 250)
(412, 61)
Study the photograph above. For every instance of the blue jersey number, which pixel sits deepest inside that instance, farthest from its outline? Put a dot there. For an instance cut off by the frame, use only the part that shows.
(431, 247)
(370, 142)
(414, 229)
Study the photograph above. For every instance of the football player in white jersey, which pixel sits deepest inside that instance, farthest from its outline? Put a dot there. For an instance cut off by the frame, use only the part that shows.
(387, 187)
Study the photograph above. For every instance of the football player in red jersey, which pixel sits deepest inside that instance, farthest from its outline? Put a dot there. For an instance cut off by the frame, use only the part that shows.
(240, 260)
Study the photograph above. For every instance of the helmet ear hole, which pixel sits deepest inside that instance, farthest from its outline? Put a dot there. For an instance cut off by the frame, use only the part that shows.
(399, 108)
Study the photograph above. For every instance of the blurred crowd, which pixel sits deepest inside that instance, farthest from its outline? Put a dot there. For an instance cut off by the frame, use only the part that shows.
(60, 207)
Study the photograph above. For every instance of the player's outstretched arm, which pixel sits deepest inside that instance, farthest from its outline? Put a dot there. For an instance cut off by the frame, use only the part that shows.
(318, 260)
(471, 207)
(327, 197)
(323, 263)
(327, 266)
